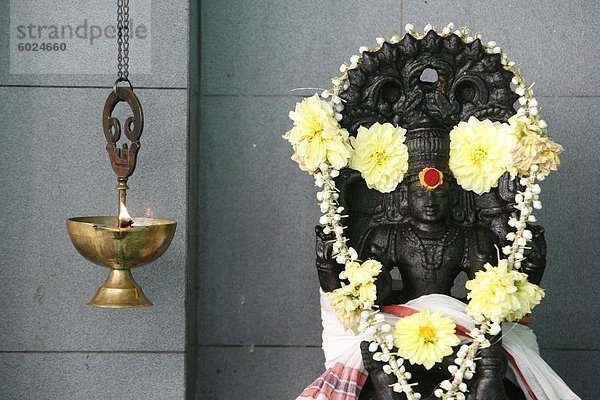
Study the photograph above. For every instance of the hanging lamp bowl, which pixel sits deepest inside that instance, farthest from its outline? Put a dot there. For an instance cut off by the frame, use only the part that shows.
(100, 240)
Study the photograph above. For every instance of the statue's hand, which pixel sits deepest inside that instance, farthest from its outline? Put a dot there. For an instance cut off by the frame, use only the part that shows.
(487, 384)
(328, 269)
(370, 364)
(324, 245)
(535, 257)
(382, 382)
(487, 388)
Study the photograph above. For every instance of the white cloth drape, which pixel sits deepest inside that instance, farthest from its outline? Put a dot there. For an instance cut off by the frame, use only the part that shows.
(527, 368)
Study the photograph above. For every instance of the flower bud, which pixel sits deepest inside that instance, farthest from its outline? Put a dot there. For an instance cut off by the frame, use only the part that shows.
(524, 181)
(447, 385)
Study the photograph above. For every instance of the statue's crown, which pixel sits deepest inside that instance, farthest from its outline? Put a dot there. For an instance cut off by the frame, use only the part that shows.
(427, 148)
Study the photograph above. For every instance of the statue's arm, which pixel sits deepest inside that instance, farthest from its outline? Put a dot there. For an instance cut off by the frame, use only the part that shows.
(481, 249)
(376, 248)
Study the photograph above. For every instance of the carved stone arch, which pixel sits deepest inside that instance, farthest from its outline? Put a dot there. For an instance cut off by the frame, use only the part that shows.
(387, 87)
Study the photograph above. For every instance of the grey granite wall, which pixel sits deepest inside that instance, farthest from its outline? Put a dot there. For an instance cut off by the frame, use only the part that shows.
(53, 166)
(258, 317)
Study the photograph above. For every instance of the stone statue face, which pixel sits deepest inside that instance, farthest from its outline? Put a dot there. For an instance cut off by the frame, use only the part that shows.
(428, 206)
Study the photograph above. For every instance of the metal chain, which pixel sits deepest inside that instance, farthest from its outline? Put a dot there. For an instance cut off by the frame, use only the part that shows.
(123, 39)
(126, 39)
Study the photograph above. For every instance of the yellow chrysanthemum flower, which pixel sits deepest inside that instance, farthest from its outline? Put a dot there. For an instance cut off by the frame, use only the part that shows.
(502, 295)
(532, 148)
(480, 152)
(380, 155)
(360, 294)
(361, 274)
(317, 136)
(346, 306)
(525, 298)
(490, 291)
(425, 338)
(367, 293)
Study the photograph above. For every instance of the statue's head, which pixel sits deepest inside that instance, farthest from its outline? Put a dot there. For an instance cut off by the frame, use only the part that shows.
(429, 197)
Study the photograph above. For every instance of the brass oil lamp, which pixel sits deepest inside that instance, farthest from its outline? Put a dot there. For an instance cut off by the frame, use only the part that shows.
(121, 242)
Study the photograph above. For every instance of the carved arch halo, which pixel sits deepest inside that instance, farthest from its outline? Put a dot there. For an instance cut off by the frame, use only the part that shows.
(388, 87)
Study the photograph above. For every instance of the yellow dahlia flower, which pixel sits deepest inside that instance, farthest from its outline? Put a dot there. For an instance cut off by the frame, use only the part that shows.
(380, 155)
(480, 152)
(317, 136)
(532, 148)
(425, 338)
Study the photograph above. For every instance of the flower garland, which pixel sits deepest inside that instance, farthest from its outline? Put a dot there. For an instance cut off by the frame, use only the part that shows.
(497, 293)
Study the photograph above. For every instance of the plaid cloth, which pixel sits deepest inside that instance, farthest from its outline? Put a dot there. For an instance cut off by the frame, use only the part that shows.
(337, 383)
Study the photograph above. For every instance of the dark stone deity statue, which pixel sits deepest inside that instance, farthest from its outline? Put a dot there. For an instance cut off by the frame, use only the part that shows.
(428, 238)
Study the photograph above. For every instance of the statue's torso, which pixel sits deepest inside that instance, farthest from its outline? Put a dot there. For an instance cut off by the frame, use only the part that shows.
(429, 262)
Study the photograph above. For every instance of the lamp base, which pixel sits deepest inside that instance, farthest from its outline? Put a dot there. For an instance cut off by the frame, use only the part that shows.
(120, 291)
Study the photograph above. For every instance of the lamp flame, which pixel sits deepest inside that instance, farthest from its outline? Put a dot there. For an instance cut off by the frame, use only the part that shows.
(125, 219)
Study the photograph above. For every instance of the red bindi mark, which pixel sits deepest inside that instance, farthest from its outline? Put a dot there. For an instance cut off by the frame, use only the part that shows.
(431, 177)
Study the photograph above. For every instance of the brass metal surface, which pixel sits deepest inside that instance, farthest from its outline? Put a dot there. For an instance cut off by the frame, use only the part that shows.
(101, 241)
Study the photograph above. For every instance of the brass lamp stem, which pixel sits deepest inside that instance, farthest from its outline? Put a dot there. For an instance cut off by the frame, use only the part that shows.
(122, 188)
(124, 219)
